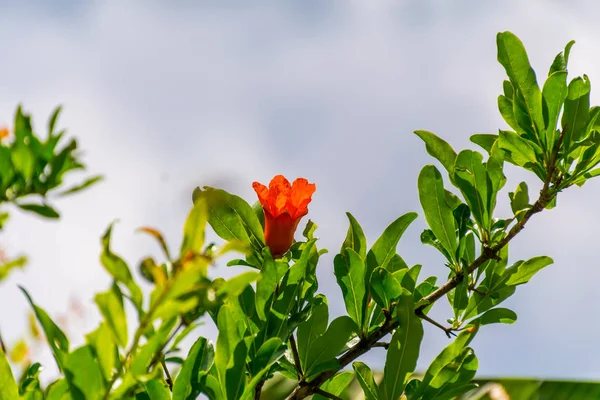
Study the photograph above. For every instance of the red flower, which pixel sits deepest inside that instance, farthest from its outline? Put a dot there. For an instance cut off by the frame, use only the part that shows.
(284, 206)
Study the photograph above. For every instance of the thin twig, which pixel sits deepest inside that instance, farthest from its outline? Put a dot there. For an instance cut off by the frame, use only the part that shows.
(169, 380)
(327, 394)
(296, 356)
(448, 331)
(489, 253)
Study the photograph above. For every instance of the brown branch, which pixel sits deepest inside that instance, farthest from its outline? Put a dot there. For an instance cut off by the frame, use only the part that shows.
(296, 356)
(327, 394)
(489, 253)
(258, 389)
(385, 345)
(169, 380)
(448, 331)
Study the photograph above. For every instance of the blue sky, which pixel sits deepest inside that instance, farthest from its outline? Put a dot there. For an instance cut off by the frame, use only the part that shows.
(165, 96)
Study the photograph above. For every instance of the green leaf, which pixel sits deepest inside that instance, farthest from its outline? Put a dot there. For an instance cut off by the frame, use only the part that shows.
(519, 150)
(228, 339)
(119, 270)
(7, 267)
(193, 231)
(403, 352)
(576, 111)
(232, 218)
(446, 358)
(506, 107)
(23, 160)
(56, 338)
(437, 212)
(83, 375)
(355, 238)
(84, 185)
(498, 315)
(111, 307)
(8, 386)
(513, 57)
(142, 360)
(309, 230)
(325, 348)
(384, 249)
(519, 199)
(453, 377)
(188, 383)
(554, 94)
(157, 390)
(484, 140)
(104, 348)
(336, 385)
(57, 390)
(384, 288)
(236, 285)
(236, 374)
(350, 275)
(439, 149)
(43, 210)
(364, 376)
(266, 287)
(521, 272)
(472, 179)
(561, 60)
(268, 354)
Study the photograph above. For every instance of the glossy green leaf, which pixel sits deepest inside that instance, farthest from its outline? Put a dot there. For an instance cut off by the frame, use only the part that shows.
(83, 375)
(57, 390)
(403, 351)
(576, 113)
(8, 385)
(200, 358)
(329, 345)
(157, 390)
(439, 149)
(561, 60)
(472, 179)
(554, 94)
(519, 199)
(266, 287)
(119, 270)
(384, 249)
(193, 230)
(111, 307)
(364, 376)
(336, 385)
(513, 57)
(269, 353)
(229, 337)
(521, 272)
(232, 218)
(235, 376)
(506, 108)
(498, 315)
(142, 361)
(236, 285)
(56, 338)
(355, 238)
(43, 210)
(104, 348)
(385, 289)
(437, 212)
(350, 275)
(519, 150)
(445, 358)
(484, 140)
(454, 377)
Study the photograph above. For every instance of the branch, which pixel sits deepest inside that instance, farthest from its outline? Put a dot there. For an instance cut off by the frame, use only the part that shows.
(489, 253)
(327, 394)
(296, 356)
(169, 380)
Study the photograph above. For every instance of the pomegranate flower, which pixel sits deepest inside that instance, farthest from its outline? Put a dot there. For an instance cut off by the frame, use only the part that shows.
(284, 206)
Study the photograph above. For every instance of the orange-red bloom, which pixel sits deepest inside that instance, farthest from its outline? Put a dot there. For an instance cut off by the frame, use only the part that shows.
(4, 133)
(284, 205)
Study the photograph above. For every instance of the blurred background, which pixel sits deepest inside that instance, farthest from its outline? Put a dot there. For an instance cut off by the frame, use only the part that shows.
(166, 96)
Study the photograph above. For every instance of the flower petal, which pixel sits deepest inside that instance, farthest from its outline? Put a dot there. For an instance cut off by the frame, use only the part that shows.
(300, 197)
